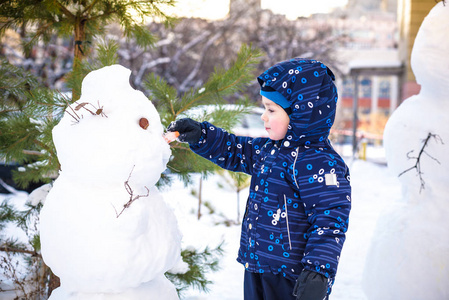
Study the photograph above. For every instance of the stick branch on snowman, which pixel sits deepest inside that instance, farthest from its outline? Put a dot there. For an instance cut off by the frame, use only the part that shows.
(417, 165)
(76, 117)
(132, 198)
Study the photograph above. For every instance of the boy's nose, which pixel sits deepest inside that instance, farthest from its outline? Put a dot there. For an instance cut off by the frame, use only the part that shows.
(263, 117)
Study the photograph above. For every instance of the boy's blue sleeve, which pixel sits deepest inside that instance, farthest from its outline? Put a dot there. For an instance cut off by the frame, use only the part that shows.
(325, 191)
(231, 152)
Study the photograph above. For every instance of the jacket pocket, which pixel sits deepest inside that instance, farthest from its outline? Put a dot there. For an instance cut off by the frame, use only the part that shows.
(284, 222)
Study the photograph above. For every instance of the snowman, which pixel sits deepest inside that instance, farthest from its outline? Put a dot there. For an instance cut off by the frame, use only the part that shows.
(105, 229)
(409, 255)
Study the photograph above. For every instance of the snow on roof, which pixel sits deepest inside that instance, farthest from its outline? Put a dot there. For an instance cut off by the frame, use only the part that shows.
(371, 59)
(361, 64)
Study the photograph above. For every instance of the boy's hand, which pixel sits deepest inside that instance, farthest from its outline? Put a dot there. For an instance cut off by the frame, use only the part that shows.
(310, 286)
(189, 130)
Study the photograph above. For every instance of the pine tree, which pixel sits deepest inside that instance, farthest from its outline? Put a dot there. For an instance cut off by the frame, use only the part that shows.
(81, 19)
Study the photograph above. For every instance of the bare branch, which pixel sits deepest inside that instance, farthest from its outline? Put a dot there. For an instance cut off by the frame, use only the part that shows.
(15, 250)
(422, 151)
(148, 65)
(132, 198)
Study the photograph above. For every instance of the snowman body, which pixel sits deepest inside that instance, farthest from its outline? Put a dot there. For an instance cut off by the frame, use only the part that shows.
(409, 255)
(105, 229)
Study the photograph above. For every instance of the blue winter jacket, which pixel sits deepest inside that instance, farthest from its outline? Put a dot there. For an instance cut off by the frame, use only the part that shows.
(300, 196)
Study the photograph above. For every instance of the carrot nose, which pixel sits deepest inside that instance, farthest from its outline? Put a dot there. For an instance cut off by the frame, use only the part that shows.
(171, 136)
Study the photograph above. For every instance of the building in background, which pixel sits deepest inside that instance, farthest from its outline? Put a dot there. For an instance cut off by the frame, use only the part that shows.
(370, 67)
(411, 13)
(375, 62)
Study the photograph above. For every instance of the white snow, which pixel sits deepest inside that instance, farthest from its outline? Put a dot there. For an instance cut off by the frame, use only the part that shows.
(39, 195)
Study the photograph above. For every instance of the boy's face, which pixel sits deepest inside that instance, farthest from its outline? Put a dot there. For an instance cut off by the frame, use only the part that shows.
(275, 119)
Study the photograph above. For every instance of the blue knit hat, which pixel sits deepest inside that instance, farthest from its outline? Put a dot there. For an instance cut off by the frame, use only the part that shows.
(276, 97)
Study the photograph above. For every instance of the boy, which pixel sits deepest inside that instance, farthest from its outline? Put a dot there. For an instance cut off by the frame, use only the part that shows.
(297, 211)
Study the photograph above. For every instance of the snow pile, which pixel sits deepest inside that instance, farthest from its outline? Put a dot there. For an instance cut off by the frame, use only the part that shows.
(112, 152)
(409, 256)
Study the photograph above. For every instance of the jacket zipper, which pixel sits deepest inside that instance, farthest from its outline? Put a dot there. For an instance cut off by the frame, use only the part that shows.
(286, 219)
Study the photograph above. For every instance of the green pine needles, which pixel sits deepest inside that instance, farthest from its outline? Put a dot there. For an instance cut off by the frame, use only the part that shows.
(200, 263)
(211, 101)
(28, 113)
(82, 19)
(222, 84)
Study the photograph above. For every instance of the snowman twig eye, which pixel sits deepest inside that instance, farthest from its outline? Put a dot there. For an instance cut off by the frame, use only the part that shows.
(98, 110)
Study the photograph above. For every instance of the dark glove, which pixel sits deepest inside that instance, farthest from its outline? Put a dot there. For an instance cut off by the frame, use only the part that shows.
(189, 130)
(310, 286)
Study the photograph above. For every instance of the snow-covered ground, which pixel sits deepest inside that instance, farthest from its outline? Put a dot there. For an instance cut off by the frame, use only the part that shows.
(374, 187)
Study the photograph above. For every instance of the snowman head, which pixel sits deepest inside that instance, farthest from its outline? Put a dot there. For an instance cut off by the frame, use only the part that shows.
(116, 133)
(429, 58)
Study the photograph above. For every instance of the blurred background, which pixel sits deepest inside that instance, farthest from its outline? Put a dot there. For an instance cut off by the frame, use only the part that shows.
(366, 44)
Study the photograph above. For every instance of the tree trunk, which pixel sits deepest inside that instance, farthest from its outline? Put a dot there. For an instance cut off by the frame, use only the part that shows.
(80, 49)
(80, 39)
(53, 284)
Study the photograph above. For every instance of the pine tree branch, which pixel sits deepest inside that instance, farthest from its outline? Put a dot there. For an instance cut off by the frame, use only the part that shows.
(89, 7)
(8, 111)
(19, 141)
(189, 104)
(41, 30)
(16, 250)
(30, 152)
(234, 83)
(45, 147)
(105, 14)
(65, 11)
(50, 104)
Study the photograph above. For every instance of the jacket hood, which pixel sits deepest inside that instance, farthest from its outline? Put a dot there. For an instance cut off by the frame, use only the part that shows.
(308, 86)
